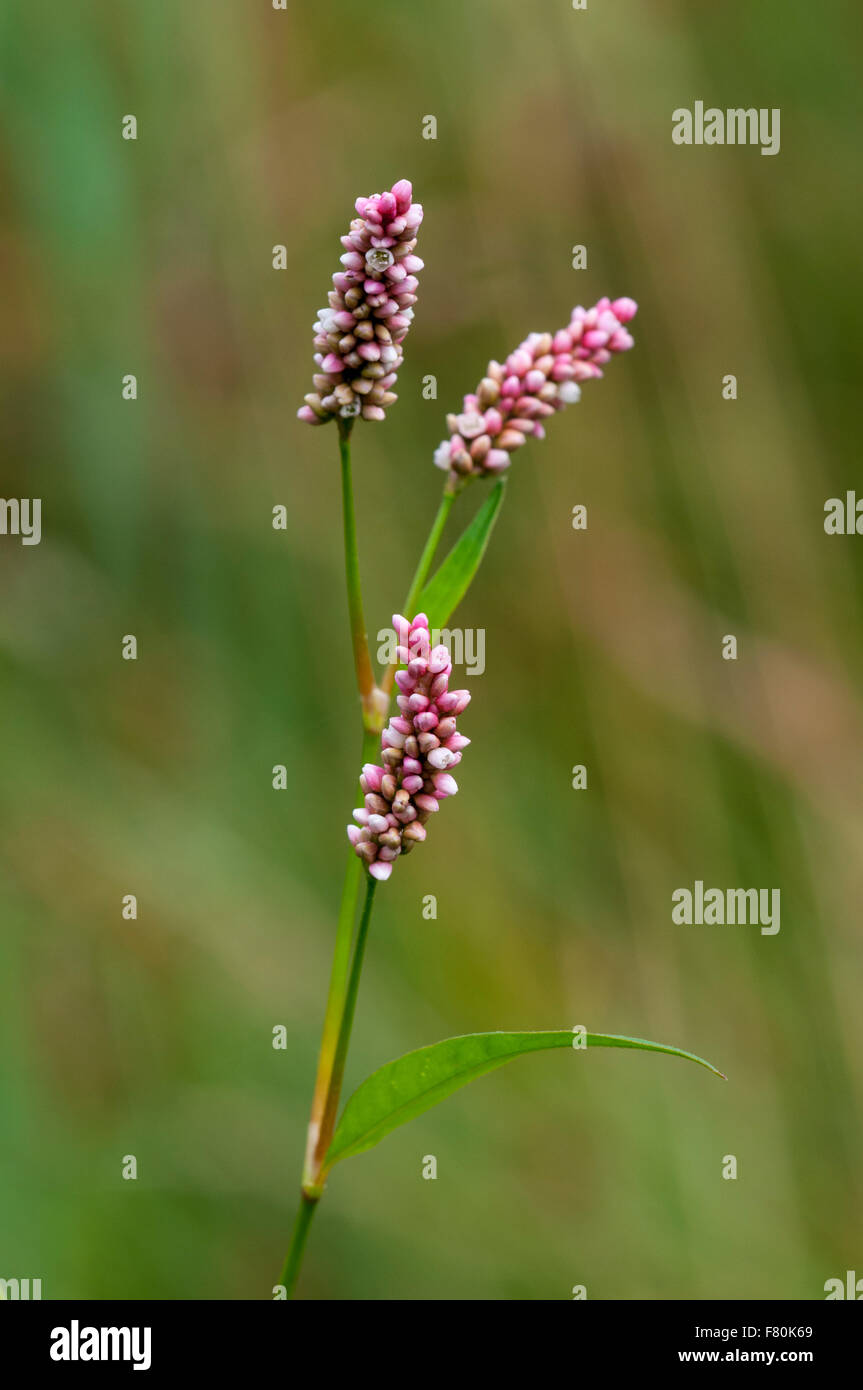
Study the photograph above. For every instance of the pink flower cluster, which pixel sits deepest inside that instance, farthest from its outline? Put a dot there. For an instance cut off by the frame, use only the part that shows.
(540, 377)
(359, 335)
(418, 748)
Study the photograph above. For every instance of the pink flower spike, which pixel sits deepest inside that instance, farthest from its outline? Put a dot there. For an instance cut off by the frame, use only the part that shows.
(369, 311)
(418, 745)
(537, 379)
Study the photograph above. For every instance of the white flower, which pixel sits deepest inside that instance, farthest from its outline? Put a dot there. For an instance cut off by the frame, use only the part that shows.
(379, 259)
(326, 321)
(441, 758)
(470, 426)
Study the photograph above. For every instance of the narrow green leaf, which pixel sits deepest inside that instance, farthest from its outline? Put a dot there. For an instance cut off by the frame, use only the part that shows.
(411, 1084)
(448, 586)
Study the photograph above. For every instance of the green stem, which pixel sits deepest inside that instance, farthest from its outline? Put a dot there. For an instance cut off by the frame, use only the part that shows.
(331, 1070)
(425, 562)
(359, 638)
(335, 1006)
(422, 573)
(341, 1004)
(347, 1022)
(294, 1257)
(336, 999)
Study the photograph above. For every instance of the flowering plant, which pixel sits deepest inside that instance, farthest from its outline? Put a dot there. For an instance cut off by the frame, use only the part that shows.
(408, 758)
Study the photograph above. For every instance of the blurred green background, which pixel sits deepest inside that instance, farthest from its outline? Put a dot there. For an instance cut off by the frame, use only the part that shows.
(153, 1037)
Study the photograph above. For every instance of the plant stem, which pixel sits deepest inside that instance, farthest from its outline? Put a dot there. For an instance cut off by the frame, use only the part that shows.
(422, 572)
(431, 545)
(332, 1018)
(294, 1257)
(341, 1004)
(341, 1007)
(362, 660)
(344, 1037)
(336, 1000)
